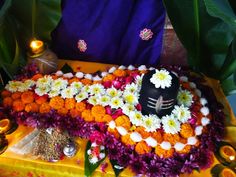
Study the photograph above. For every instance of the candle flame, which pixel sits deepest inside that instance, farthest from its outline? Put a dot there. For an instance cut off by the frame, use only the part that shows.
(231, 158)
(36, 46)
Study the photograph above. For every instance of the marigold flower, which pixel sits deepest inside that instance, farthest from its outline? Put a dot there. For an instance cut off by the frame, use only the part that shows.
(127, 140)
(186, 130)
(186, 85)
(27, 97)
(74, 79)
(142, 132)
(5, 93)
(16, 95)
(120, 73)
(87, 115)
(37, 76)
(108, 77)
(183, 140)
(41, 99)
(62, 111)
(172, 138)
(157, 136)
(18, 105)
(114, 132)
(7, 102)
(123, 121)
(98, 112)
(164, 153)
(142, 148)
(185, 150)
(107, 118)
(70, 103)
(97, 82)
(81, 106)
(44, 108)
(86, 81)
(56, 102)
(74, 113)
(32, 107)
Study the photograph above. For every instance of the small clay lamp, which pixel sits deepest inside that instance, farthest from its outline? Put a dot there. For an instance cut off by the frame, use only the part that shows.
(228, 153)
(4, 125)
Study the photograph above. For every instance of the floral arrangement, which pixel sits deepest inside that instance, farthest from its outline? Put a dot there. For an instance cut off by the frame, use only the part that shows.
(105, 108)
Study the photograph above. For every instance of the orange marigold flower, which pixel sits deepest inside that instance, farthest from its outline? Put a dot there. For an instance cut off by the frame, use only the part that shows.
(98, 112)
(54, 77)
(62, 111)
(114, 132)
(172, 138)
(142, 132)
(97, 82)
(70, 103)
(157, 136)
(143, 71)
(27, 97)
(32, 107)
(44, 108)
(86, 81)
(120, 73)
(74, 113)
(7, 102)
(127, 140)
(74, 79)
(41, 99)
(16, 95)
(18, 105)
(81, 106)
(37, 76)
(87, 115)
(185, 150)
(108, 77)
(56, 102)
(164, 153)
(123, 121)
(183, 140)
(5, 93)
(107, 118)
(142, 148)
(186, 130)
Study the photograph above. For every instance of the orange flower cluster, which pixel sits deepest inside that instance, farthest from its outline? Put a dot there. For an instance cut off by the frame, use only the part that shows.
(120, 73)
(186, 130)
(172, 138)
(123, 121)
(127, 140)
(142, 148)
(164, 153)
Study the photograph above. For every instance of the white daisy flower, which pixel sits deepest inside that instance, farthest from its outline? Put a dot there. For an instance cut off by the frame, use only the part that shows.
(116, 102)
(130, 98)
(127, 108)
(96, 89)
(104, 100)
(77, 85)
(12, 86)
(68, 92)
(170, 124)
(29, 83)
(182, 113)
(131, 88)
(138, 81)
(185, 98)
(42, 90)
(85, 88)
(161, 78)
(22, 87)
(59, 84)
(53, 93)
(136, 118)
(81, 96)
(93, 100)
(113, 92)
(44, 81)
(151, 123)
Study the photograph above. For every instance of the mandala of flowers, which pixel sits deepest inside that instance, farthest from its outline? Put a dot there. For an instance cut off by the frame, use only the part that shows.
(104, 108)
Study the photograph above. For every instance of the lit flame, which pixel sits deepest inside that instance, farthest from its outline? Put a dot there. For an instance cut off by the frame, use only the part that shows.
(36, 46)
(231, 158)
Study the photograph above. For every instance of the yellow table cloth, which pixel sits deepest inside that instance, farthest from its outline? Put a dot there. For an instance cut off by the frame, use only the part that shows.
(13, 165)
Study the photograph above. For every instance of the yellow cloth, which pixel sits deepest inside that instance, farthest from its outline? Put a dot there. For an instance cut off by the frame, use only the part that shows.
(13, 165)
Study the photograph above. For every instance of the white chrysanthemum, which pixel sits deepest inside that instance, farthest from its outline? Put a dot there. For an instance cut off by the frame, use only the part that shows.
(77, 85)
(29, 83)
(44, 81)
(151, 123)
(116, 102)
(85, 88)
(185, 98)
(104, 100)
(81, 96)
(170, 124)
(130, 98)
(68, 92)
(42, 90)
(53, 93)
(138, 80)
(22, 87)
(161, 78)
(112, 92)
(59, 84)
(93, 100)
(181, 113)
(127, 108)
(96, 89)
(131, 88)
(136, 118)
(12, 86)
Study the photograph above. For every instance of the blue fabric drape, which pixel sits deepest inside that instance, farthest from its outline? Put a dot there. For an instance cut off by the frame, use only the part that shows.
(111, 31)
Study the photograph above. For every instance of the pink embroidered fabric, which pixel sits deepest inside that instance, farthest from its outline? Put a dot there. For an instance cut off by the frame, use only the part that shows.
(81, 45)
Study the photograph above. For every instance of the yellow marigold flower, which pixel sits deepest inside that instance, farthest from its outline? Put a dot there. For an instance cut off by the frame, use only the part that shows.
(62, 111)
(41, 99)
(157, 136)
(74, 79)
(27, 97)
(123, 121)
(18, 105)
(142, 148)
(69, 103)
(142, 132)
(44, 107)
(37, 76)
(5, 93)
(56, 102)
(127, 140)
(74, 113)
(185, 150)
(16, 95)
(107, 118)
(164, 153)
(186, 130)
(172, 138)
(97, 82)
(7, 101)
(81, 106)
(87, 115)
(32, 107)
(86, 81)
(98, 112)
(114, 132)
(119, 73)
(109, 77)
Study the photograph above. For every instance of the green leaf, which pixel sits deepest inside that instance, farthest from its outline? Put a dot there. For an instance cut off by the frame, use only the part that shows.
(89, 168)
(228, 86)
(215, 171)
(66, 68)
(116, 167)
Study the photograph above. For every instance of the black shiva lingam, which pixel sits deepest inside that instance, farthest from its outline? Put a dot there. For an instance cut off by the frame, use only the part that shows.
(157, 100)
